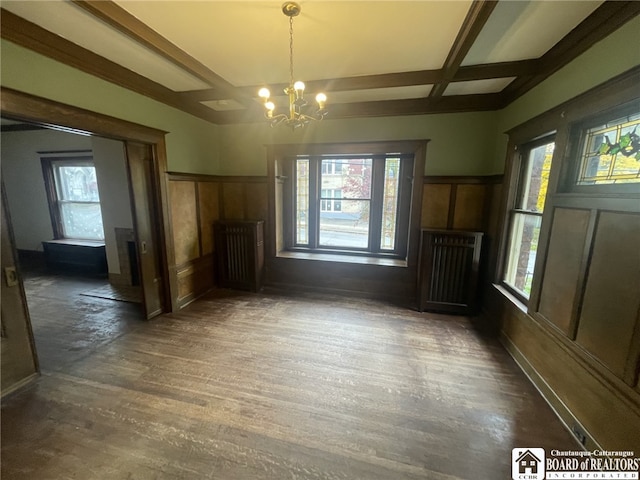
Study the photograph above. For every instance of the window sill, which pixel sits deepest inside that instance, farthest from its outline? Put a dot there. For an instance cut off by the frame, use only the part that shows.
(355, 259)
(512, 298)
(76, 242)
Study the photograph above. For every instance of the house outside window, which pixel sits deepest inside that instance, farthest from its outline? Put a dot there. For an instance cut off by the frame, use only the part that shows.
(525, 216)
(74, 199)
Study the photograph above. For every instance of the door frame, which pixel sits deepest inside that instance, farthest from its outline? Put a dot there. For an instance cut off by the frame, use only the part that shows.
(41, 111)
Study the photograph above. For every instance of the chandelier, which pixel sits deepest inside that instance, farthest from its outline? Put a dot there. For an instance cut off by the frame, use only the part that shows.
(295, 91)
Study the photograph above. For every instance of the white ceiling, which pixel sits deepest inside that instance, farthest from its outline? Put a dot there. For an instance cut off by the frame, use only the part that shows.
(246, 42)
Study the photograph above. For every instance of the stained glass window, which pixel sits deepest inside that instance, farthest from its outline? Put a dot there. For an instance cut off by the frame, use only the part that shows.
(611, 153)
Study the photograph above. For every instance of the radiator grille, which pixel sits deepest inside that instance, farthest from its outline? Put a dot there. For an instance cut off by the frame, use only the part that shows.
(448, 270)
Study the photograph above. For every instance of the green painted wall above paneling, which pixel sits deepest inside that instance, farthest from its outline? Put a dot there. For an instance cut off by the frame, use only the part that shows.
(192, 143)
(460, 143)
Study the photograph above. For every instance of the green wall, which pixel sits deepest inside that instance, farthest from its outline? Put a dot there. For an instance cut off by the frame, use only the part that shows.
(460, 144)
(192, 143)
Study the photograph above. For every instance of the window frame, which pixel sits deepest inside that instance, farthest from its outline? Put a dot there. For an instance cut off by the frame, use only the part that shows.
(49, 165)
(518, 184)
(315, 200)
(279, 240)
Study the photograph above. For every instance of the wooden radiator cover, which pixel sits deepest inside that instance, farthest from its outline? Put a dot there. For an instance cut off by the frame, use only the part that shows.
(448, 271)
(240, 253)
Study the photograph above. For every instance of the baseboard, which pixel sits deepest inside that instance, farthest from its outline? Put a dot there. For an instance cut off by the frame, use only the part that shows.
(20, 385)
(570, 422)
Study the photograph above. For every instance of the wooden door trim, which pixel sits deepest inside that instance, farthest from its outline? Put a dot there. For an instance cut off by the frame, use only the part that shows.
(52, 114)
(7, 223)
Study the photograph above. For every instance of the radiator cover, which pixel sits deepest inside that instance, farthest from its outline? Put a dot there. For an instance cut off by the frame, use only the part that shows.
(448, 271)
(239, 248)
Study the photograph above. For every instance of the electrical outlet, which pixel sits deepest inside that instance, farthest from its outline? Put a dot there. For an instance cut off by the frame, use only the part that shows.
(579, 434)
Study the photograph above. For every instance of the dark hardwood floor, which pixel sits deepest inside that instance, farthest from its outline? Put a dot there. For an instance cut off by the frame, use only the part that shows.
(270, 386)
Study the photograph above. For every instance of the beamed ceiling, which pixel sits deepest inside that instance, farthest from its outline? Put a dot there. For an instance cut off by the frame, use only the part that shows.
(371, 58)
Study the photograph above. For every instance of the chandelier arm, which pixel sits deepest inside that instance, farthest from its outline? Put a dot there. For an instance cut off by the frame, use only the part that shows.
(295, 91)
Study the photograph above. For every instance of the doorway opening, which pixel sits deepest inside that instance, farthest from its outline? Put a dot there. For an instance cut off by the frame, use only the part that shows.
(72, 222)
(76, 297)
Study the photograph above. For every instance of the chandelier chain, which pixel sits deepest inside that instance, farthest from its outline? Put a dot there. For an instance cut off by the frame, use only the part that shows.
(291, 51)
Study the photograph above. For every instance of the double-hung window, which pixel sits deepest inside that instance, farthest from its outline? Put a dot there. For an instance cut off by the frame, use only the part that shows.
(525, 215)
(74, 200)
(352, 203)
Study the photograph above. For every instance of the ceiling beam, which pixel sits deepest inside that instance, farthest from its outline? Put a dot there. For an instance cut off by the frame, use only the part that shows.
(389, 80)
(477, 16)
(120, 19)
(606, 19)
(29, 35)
(411, 106)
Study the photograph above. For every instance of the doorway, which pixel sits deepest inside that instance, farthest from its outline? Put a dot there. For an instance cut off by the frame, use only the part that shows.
(68, 199)
(146, 163)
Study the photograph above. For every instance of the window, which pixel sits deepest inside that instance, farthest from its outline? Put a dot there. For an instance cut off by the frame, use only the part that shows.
(74, 200)
(353, 203)
(610, 150)
(327, 202)
(525, 215)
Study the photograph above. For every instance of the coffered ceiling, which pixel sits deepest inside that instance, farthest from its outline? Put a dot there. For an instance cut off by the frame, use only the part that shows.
(371, 58)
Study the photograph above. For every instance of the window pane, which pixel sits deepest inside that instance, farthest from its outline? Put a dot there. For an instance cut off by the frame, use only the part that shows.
(302, 201)
(82, 220)
(537, 178)
(390, 203)
(521, 258)
(611, 153)
(348, 227)
(77, 183)
(353, 179)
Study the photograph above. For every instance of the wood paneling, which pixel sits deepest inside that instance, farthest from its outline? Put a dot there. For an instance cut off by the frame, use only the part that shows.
(197, 201)
(209, 210)
(608, 409)
(435, 205)
(185, 221)
(469, 213)
(256, 201)
(246, 198)
(563, 267)
(233, 201)
(611, 301)
(194, 279)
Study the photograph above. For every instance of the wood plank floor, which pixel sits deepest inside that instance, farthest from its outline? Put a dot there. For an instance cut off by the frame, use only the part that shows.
(278, 386)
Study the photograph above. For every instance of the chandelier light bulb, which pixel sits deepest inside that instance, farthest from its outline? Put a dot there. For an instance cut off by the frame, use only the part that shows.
(321, 98)
(297, 117)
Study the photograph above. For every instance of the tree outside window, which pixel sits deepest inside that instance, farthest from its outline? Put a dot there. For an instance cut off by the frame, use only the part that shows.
(526, 216)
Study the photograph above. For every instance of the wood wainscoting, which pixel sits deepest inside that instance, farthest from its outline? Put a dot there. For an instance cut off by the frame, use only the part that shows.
(197, 201)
